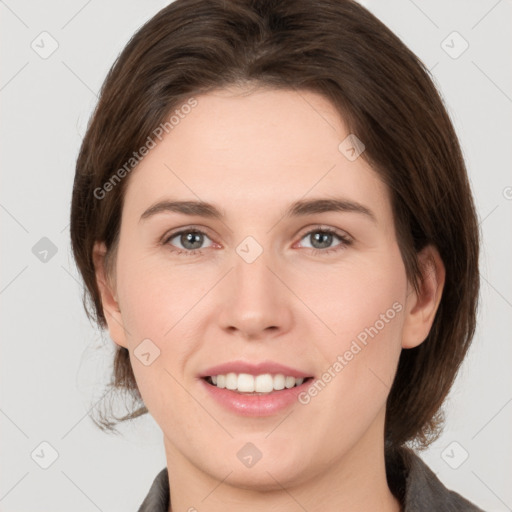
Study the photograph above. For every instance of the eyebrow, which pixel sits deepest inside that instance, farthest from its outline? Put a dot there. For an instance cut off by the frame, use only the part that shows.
(299, 208)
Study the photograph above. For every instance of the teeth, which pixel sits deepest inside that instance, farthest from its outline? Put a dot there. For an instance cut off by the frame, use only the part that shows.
(245, 383)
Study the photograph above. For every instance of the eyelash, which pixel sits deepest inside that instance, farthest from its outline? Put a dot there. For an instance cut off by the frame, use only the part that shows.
(345, 241)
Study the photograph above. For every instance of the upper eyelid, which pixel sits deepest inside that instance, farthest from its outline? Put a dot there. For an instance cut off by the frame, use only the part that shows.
(323, 227)
(187, 229)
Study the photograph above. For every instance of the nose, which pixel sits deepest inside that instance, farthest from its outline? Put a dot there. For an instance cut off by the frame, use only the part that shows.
(256, 304)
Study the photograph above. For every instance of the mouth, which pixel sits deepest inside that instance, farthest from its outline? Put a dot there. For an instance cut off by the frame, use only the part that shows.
(255, 389)
(262, 384)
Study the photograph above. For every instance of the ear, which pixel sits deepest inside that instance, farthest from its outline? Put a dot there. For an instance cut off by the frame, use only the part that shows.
(421, 306)
(108, 294)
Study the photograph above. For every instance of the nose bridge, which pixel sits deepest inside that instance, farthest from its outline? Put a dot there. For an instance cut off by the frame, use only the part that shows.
(252, 277)
(256, 300)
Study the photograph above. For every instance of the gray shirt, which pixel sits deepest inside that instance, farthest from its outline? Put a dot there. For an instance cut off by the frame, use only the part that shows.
(409, 478)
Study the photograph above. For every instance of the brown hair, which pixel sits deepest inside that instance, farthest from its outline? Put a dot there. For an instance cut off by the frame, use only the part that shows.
(386, 97)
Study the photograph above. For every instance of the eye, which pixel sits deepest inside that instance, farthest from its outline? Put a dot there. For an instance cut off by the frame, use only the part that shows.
(191, 241)
(322, 239)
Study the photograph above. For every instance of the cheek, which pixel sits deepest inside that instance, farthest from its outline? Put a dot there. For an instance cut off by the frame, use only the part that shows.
(366, 294)
(359, 361)
(369, 312)
(159, 305)
(156, 294)
(364, 310)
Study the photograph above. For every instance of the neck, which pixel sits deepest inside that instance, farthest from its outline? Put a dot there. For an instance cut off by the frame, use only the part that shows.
(355, 482)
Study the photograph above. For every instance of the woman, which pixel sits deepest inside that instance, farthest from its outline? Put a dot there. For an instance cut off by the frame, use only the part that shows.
(272, 217)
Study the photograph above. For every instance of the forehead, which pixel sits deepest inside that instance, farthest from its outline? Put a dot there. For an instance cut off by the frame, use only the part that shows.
(255, 150)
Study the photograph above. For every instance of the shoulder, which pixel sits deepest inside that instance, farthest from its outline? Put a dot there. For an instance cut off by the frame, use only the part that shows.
(419, 489)
(157, 499)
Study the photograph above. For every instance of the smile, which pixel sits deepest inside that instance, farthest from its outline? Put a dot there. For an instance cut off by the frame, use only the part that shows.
(254, 384)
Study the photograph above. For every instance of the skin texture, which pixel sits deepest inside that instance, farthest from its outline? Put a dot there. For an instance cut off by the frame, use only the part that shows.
(252, 152)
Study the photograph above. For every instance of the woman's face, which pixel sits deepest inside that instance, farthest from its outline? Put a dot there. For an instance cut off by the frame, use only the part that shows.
(264, 285)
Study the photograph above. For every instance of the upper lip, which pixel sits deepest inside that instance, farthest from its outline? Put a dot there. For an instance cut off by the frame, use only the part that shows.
(253, 369)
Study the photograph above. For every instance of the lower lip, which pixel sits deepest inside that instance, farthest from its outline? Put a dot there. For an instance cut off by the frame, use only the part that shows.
(255, 405)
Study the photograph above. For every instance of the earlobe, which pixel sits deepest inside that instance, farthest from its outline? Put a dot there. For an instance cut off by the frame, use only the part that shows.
(109, 300)
(422, 306)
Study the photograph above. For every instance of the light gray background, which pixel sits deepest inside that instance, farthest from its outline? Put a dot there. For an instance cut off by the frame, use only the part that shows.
(54, 363)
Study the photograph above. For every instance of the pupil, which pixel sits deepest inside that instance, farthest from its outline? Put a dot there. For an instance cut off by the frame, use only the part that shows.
(189, 237)
(327, 237)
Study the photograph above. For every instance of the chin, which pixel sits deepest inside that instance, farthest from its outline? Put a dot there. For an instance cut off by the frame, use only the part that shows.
(265, 478)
